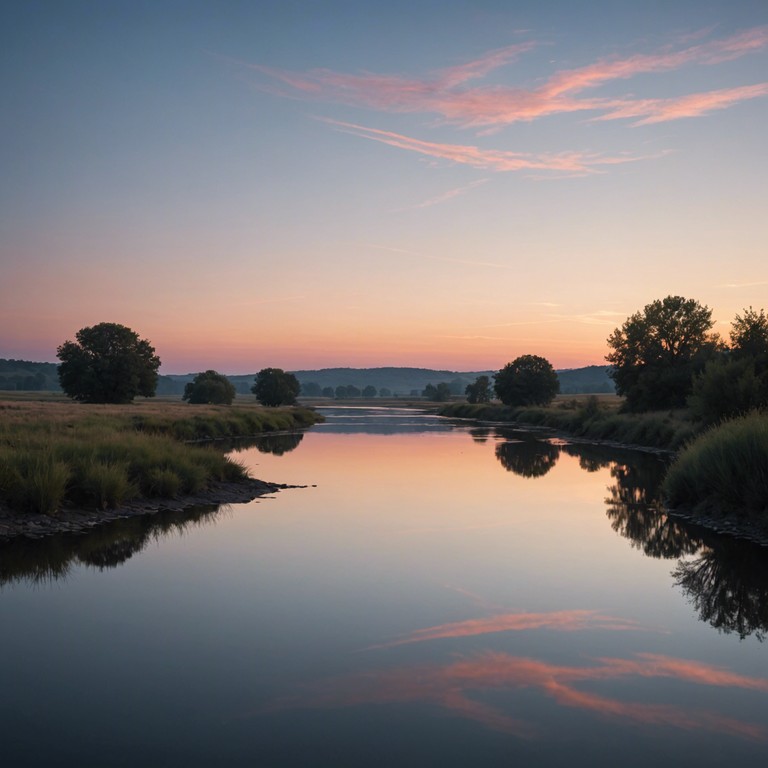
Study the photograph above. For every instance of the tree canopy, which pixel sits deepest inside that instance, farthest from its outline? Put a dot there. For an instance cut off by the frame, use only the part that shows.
(108, 363)
(209, 387)
(273, 386)
(527, 380)
(656, 352)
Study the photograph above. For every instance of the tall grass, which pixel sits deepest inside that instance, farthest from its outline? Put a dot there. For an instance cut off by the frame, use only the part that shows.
(53, 455)
(724, 470)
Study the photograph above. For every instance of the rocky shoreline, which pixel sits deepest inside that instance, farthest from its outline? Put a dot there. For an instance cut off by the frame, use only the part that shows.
(36, 526)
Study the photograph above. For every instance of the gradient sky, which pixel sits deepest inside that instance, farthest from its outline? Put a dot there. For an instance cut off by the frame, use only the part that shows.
(317, 184)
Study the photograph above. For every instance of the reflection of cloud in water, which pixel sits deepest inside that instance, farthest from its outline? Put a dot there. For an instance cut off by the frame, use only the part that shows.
(562, 621)
(450, 686)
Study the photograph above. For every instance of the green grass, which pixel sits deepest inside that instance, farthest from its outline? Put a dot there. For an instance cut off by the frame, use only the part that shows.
(100, 457)
(725, 470)
(591, 418)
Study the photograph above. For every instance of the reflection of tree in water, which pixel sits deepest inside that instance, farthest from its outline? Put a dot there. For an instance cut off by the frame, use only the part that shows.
(107, 546)
(727, 584)
(481, 434)
(591, 457)
(528, 458)
(279, 444)
(635, 510)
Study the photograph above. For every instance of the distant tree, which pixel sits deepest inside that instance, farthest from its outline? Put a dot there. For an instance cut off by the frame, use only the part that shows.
(273, 386)
(328, 392)
(456, 386)
(385, 392)
(527, 380)
(353, 391)
(438, 394)
(479, 391)
(108, 363)
(656, 353)
(311, 389)
(340, 392)
(209, 387)
(370, 391)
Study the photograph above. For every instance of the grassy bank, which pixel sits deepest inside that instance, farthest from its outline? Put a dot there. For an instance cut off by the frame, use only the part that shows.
(724, 471)
(61, 453)
(589, 417)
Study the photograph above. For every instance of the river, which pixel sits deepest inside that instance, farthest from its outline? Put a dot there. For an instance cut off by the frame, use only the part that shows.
(439, 593)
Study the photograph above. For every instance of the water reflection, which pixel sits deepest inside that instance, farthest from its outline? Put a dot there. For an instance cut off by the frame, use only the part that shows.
(279, 444)
(635, 510)
(527, 458)
(463, 684)
(727, 584)
(107, 546)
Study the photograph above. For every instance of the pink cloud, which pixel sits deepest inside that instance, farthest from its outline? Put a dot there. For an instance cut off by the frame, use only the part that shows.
(561, 621)
(693, 105)
(450, 686)
(491, 159)
(489, 107)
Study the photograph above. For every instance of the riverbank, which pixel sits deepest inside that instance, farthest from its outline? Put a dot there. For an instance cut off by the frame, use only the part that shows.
(718, 477)
(59, 456)
(590, 418)
(73, 520)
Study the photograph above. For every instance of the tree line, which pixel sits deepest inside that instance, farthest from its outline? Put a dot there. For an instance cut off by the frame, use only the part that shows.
(664, 356)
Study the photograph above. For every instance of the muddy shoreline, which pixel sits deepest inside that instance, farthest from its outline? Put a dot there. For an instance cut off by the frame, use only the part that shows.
(68, 520)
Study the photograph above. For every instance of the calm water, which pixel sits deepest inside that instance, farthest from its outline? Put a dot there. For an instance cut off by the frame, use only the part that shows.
(439, 594)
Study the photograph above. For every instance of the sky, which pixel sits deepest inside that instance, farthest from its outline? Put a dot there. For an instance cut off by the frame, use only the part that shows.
(434, 184)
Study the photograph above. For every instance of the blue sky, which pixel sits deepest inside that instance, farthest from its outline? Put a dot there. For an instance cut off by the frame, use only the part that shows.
(319, 184)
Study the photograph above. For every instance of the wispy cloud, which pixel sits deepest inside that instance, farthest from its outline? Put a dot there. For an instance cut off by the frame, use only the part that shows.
(693, 105)
(492, 159)
(745, 285)
(445, 197)
(561, 621)
(454, 686)
(446, 94)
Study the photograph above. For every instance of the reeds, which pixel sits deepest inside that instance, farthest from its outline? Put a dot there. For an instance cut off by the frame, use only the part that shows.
(724, 470)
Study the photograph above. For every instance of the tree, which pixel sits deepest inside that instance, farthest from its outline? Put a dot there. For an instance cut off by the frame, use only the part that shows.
(527, 380)
(328, 392)
(385, 392)
(369, 391)
(209, 387)
(749, 336)
(479, 391)
(438, 394)
(657, 351)
(727, 387)
(273, 386)
(108, 363)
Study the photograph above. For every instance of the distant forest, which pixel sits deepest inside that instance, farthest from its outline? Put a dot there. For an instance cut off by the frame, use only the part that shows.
(400, 382)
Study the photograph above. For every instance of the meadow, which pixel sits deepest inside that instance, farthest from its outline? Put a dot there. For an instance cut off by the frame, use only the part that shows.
(54, 452)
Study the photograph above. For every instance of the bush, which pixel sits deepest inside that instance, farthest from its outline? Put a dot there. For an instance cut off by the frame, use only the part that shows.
(527, 380)
(210, 387)
(725, 469)
(727, 387)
